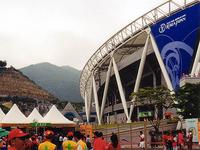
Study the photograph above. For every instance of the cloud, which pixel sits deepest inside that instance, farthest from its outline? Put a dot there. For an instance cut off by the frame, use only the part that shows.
(62, 32)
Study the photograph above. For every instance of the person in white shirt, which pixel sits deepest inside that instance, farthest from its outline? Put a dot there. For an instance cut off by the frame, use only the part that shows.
(142, 142)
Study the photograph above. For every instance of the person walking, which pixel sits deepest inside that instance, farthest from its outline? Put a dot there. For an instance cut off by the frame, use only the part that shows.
(81, 145)
(164, 139)
(180, 140)
(189, 140)
(170, 141)
(88, 138)
(99, 142)
(47, 144)
(153, 139)
(142, 142)
(114, 145)
(18, 140)
(69, 144)
(34, 143)
(88, 142)
(174, 143)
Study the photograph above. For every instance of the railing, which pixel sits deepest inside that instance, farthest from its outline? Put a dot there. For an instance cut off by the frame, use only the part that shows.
(127, 33)
(128, 134)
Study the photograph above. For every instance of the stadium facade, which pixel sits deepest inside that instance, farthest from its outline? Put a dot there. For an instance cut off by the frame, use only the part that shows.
(156, 49)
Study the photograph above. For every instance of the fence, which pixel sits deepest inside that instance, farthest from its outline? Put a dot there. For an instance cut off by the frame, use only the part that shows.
(128, 134)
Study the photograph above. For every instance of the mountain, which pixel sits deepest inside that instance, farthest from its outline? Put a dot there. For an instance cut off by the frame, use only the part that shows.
(16, 85)
(63, 82)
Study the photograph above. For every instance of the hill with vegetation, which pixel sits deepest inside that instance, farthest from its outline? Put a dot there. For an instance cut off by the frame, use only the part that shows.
(63, 82)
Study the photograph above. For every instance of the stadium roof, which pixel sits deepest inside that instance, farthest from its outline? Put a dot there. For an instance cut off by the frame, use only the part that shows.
(127, 41)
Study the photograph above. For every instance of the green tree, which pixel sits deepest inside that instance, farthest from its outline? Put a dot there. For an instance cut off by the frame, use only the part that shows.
(159, 97)
(188, 101)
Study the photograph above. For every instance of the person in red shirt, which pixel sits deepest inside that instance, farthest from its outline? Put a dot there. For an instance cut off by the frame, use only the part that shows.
(99, 142)
(170, 141)
(18, 140)
(165, 137)
(34, 143)
(189, 140)
(142, 141)
(174, 142)
(114, 145)
(180, 140)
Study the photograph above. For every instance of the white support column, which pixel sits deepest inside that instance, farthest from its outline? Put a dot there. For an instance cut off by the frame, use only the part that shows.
(139, 74)
(156, 112)
(196, 61)
(96, 99)
(86, 107)
(89, 101)
(154, 79)
(119, 84)
(131, 111)
(160, 62)
(105, 89)
(138, 111)
(141, 67)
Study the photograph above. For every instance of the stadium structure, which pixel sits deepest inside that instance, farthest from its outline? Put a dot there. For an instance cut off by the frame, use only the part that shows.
(156, 49)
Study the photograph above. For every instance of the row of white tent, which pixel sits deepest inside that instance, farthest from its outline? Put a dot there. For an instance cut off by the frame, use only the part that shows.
(15, 116)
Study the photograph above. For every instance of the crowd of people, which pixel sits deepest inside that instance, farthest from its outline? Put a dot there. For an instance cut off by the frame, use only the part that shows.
(17, 139)
(177, 140)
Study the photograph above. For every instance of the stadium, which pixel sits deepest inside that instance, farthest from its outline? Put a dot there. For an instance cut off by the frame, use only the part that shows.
(158, 48)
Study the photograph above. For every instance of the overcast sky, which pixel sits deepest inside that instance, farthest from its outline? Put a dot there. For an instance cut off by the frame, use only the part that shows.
(62, 32)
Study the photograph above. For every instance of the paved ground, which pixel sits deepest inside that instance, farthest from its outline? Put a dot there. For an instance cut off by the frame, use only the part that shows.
(195, 147)
(152, 149)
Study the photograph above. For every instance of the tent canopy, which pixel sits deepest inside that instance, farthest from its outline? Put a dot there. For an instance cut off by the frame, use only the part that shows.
(15, 116)
(70, 109)
(54, 116)
(35, 116)
(2, 115)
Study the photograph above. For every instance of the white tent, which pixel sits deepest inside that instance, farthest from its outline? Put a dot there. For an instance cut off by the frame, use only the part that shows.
(15, 116)
(54, 116)
(35, 116)
(2, 115)
(70, 109)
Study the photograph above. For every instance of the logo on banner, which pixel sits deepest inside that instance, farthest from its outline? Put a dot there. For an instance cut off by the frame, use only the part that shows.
(173, 23)
(171, 54)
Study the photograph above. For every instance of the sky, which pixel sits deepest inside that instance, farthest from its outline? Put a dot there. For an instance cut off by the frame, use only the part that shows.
(62, 32)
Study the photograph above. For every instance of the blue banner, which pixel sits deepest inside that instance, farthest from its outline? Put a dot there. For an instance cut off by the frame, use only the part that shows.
(177, 37)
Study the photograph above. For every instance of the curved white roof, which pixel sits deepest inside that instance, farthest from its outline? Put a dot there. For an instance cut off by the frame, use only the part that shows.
(123, 39)
(35, 116)
(54, 116)
(15, 116)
